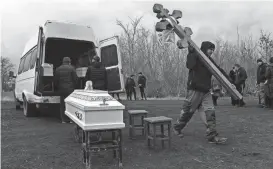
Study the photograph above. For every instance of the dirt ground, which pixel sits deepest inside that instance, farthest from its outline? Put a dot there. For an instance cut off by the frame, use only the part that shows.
(44, 143)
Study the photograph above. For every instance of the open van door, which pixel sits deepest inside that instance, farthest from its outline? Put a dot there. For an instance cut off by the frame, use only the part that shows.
(38, 88)
(111, 59)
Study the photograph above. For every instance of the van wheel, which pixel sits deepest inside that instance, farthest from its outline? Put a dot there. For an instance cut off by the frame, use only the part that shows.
(29, 109)
(18, 107)
(17, 103)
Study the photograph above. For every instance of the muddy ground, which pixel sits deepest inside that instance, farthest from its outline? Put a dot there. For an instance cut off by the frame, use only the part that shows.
(44, 143)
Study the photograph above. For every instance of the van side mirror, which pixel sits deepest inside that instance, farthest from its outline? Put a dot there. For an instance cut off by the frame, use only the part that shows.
(11, 74)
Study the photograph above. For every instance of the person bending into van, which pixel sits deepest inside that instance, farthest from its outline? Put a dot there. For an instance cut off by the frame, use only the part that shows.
(97, 74)
(198, 93)
(66, 81)
(142, 85)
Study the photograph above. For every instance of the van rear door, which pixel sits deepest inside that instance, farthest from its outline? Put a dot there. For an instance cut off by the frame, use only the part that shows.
(38, 84)
(111, 59)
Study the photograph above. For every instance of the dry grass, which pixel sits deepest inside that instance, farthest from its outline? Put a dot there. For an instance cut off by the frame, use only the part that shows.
(44, 143)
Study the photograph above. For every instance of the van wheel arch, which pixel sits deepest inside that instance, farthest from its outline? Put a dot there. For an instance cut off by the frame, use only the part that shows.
(28, 108)
(17, 102)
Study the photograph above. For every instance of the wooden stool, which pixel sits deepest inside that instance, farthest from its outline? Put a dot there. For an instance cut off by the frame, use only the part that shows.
(132, 126)
(158, 121)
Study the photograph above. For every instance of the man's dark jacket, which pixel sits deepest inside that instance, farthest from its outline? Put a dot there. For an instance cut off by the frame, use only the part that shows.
(130, 83)
(65, 78)
(199, 78)
(241, 76)
(98, 75)
(142, 81)
(232, 76)
(261, 73)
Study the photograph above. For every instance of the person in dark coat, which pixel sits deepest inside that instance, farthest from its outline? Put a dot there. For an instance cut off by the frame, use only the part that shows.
(268, 85)
(127, 87)
(198, 93)
(97, 74)
(232, 77)
(260, 82)
(240, 80)
(131, 87)
(65, 79)
(142, 85)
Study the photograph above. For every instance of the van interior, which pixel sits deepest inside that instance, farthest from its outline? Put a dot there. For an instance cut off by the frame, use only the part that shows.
(81, 54)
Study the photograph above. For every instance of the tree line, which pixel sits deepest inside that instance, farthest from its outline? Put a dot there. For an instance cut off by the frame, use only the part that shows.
(165, 66)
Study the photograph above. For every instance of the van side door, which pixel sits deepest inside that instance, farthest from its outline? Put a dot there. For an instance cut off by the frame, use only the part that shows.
(111, 59)
(38, 84)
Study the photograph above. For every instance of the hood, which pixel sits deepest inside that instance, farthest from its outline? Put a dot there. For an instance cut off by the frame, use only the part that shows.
(207, 45)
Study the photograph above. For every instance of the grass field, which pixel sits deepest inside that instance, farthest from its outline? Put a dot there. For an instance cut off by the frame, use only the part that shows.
(44, 143)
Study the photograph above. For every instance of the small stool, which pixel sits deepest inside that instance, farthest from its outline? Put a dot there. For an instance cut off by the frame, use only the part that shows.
(158, 121)
(132, 126)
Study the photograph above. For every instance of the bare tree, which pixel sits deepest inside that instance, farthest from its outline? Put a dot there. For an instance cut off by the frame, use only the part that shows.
(6, 67)
(130, 34)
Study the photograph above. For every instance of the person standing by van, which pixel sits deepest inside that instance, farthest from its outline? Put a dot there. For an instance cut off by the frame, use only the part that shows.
(142, 85)
(131, 87)
(97, 74)
(65, 80)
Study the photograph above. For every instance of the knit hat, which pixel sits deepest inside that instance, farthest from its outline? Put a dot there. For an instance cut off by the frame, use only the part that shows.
(207, 45)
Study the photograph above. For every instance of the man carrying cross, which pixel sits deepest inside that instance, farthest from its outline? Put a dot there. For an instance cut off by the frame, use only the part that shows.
(198, 93)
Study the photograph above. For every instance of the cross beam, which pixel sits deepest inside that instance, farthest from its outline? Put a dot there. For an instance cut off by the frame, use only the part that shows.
(170, 21)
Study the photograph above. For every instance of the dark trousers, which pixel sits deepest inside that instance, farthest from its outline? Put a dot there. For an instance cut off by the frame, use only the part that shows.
(132, 91)
(214, 100)
(194, 100)
(239, 102)
(64, 118)
(142, 93)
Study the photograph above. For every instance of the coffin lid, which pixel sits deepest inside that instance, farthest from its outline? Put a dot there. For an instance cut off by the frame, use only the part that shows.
(93, 100)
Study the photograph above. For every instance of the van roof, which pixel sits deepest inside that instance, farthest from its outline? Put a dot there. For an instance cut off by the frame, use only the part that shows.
(65, 30)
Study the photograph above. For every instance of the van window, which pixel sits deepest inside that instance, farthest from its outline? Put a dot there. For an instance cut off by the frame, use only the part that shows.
(33, 58)
(109, 56)
(27, 61)
(21, 66)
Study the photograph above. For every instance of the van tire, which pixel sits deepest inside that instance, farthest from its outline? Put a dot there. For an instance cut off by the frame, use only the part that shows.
(29, 109)
(17, 103)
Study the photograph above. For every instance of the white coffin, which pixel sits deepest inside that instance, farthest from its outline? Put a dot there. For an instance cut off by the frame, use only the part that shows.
(81, 72)
(48, 69)
(86, 109)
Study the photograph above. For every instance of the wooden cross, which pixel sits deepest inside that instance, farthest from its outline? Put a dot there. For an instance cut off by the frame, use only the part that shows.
(171, 22)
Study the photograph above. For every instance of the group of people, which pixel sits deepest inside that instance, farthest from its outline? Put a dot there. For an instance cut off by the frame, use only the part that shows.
(65, 80)
(130, 86)
(237, 76)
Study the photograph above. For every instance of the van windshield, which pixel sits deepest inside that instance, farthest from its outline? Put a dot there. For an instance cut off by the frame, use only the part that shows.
(80, 52)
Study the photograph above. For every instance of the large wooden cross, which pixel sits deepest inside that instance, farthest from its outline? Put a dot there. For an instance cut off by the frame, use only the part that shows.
(170, 22)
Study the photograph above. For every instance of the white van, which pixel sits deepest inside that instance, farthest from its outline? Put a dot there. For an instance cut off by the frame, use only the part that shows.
(44, 53)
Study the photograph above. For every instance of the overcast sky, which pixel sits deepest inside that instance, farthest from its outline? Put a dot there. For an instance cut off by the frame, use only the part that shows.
(208, 19)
